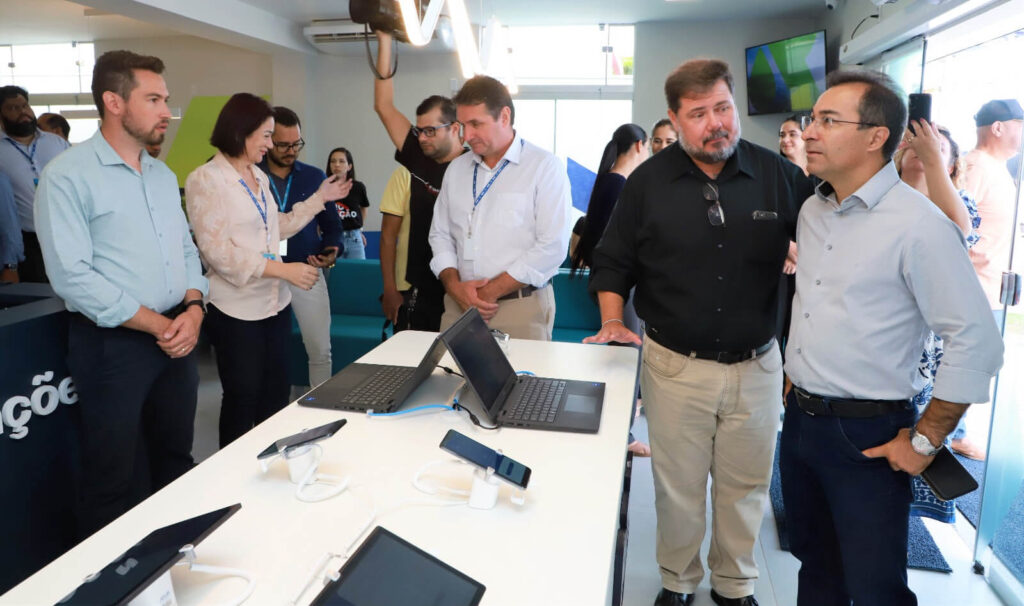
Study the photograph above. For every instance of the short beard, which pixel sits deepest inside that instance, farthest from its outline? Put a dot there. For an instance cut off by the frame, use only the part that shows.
(145, 138)
(441, 151)
(698, 153)
(19, 129)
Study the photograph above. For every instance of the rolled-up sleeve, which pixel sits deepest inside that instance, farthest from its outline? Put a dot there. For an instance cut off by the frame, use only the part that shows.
(211, 222)
(614, 268)
(552, 209)
(445, 254)
(939, 273)
(62, 226)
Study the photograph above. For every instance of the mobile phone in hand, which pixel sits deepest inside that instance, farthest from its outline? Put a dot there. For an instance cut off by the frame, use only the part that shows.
(920, 108)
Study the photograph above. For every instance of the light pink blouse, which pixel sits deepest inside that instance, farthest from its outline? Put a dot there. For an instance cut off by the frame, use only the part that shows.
(232, 239)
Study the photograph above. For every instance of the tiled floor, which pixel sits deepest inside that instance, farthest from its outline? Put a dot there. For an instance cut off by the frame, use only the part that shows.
(777, 585)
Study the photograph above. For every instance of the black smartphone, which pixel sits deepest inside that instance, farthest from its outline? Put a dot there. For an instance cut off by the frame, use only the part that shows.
(303, 437)
(947, 478)
(920, 108)
(467, 448)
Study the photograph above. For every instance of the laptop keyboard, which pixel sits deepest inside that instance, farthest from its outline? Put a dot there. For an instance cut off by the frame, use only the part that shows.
(381, 387)
(538, 402)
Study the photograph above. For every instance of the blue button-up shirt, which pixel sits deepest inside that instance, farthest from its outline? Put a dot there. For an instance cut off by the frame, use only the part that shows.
(23, 164)
(877, 271)
(305, 181)
(12, 249)
(114, 239)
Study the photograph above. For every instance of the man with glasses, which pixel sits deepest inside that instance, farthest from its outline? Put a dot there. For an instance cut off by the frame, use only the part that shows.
(425, 149)
(701, 230)
(880, 266)
(318, 243)
(24, 151)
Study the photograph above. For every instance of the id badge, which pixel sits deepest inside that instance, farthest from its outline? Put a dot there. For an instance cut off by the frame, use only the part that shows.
(468, 249)
(282, 248)
(270, 256)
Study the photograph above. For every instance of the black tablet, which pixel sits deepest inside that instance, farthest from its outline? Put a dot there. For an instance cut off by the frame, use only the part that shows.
(131, 573)
(387, 570)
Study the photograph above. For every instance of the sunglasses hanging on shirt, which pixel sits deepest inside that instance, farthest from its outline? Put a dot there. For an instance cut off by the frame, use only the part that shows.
(716, 216)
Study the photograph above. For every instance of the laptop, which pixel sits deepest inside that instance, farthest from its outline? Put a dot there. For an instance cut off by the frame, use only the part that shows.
(387, 570)
(519, 401)
(377, 387)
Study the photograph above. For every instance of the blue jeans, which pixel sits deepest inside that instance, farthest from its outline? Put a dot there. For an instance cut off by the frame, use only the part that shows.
(847, 514)
(353, 241)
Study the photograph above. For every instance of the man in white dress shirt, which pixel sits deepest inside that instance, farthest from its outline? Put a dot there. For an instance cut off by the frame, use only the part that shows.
(501, 223)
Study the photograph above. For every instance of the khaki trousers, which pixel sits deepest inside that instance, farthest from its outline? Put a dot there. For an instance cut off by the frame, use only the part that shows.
(719, 419)
(531, 317)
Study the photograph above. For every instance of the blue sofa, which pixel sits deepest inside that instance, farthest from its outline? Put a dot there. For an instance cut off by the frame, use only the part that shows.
(576, 314)
(354, 286)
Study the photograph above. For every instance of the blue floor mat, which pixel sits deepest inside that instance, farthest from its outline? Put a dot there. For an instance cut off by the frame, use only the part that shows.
(970, 503)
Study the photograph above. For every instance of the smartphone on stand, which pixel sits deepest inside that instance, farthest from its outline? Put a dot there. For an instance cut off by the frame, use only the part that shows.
(470, 450)
(303, 437)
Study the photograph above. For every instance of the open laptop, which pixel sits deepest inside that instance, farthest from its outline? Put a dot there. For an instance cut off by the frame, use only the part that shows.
(377, 387)
(519, 401)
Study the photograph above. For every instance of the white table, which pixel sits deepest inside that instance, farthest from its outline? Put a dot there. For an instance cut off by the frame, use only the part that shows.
(557, 548)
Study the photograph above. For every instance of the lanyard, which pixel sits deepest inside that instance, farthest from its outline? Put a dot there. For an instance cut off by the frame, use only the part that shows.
(478, 198)
(262, 210)
(282, 202)
(30, 156)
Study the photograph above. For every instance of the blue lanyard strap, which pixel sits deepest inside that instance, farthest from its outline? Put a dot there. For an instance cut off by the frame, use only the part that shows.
(30, 156)
(504, 163)
(282, 202)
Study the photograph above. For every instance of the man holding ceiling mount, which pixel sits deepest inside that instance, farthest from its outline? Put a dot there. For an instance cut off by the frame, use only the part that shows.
(426, 150)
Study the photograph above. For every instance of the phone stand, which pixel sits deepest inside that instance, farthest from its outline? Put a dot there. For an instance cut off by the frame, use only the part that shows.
(159, 593)
(303, 462)
(484, 494)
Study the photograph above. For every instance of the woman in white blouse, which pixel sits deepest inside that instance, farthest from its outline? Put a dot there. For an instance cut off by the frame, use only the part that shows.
(239, 236)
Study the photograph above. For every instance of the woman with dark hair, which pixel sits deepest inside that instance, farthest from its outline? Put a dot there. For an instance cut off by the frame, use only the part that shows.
(626, 150)
(350, 208)
(239, 237)
(791, 142)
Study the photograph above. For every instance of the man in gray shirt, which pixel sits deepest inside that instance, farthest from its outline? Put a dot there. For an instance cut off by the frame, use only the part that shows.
(880, 266)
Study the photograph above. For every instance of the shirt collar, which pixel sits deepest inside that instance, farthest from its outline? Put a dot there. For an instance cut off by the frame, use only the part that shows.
(109, 157)
(869, 194)
(513, 154)
(264, 165)
(4, 135)
(739, 162)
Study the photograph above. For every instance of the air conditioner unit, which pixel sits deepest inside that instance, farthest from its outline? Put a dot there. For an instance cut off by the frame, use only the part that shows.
(344, 37)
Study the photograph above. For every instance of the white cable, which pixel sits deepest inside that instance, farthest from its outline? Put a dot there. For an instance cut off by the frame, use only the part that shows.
(311, 478)
(229, 572)
(437, 489)
(313, 574)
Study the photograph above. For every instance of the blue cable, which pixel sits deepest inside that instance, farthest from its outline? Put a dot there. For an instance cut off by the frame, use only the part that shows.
(402, 412)
(525, 372)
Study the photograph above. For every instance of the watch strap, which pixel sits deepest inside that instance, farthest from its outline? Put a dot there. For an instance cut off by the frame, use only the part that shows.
(198, 303)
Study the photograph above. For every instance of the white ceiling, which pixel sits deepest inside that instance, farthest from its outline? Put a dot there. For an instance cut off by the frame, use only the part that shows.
(579, 12)
(41, 21)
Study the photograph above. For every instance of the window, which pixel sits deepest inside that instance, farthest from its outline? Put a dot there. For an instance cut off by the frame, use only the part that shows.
(48, 68)
(588, 55)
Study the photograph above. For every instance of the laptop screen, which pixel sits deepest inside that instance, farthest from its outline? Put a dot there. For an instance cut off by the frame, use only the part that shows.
(389, 571)
(480, 358)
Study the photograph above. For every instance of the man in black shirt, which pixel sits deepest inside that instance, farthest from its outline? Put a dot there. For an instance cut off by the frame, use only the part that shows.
(701, 229)
(424, 149)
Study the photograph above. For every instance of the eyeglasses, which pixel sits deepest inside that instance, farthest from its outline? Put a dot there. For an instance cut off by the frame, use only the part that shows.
(826, 122)
(283, 147)
(715, 213)
(429, 131)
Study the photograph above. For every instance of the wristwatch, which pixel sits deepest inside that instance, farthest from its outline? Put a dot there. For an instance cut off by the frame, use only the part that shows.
(922, 445)
(197, 302)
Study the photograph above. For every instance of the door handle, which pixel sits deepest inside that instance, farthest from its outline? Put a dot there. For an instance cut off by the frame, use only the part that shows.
(1009, 293)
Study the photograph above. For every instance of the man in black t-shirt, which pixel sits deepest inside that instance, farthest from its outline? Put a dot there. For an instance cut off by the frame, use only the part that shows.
(424, 149)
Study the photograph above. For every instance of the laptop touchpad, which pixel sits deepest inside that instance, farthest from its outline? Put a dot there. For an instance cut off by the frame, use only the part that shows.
(578, 403)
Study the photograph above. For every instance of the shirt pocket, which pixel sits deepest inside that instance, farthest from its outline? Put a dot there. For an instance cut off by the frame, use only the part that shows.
(514, 209)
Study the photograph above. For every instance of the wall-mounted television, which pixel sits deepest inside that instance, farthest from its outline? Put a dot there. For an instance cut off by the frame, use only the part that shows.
(786, 75)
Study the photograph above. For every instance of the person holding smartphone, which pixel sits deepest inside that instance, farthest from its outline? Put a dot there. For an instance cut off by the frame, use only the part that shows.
(239, 229)
(318, 243)
(350, 209)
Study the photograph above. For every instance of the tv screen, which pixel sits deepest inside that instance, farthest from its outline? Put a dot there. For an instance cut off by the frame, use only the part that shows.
(787, 75)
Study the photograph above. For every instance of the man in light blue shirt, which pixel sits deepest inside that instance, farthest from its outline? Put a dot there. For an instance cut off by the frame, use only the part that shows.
(24, 151)
(880, 266)
(119, 252)
(11, 249)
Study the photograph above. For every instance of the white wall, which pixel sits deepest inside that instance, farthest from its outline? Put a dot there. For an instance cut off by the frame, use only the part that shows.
(660, 47)
(198, 67)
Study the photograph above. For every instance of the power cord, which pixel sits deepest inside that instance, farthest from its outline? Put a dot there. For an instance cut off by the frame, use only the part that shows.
(190, 561)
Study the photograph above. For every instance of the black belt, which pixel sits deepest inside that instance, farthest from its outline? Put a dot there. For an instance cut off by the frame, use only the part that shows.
(827, 406)
(171, 313)
(522, 293)
(722, 357)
